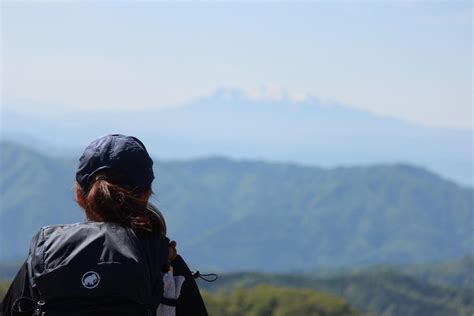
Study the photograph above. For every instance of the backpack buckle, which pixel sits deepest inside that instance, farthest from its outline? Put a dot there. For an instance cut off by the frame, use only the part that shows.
(39, 308)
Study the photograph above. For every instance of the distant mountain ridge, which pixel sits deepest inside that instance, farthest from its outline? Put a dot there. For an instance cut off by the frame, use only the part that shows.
(240, 215)
(230, 124)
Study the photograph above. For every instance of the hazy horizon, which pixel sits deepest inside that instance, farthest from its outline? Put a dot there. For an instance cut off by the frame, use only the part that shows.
(411, 61)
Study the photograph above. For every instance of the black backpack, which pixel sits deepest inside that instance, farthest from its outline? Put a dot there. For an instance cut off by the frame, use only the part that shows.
(96, 268)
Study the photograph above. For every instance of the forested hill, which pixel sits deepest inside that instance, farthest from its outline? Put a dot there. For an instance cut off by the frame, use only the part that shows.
(239, 215)
(385, 293)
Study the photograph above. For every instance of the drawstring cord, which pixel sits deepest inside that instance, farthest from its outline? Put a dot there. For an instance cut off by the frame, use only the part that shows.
(210, 277)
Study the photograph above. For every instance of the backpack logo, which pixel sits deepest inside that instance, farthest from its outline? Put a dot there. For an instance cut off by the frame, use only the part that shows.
(90, 279)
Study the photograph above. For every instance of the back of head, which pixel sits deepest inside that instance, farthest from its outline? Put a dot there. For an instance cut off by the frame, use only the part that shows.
(114, 183)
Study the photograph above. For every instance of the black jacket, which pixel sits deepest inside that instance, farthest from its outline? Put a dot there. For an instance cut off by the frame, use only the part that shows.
(89, 265)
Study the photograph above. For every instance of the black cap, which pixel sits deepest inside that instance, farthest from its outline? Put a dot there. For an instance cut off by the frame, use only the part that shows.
(126, 154)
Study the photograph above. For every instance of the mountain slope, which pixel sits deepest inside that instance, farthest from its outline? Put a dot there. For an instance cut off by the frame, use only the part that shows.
(338, 217)
(232, 215)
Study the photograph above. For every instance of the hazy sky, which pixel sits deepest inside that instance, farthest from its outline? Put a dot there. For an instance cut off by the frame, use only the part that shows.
(411, 60)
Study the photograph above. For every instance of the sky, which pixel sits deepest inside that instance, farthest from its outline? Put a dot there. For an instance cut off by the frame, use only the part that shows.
(409, 60)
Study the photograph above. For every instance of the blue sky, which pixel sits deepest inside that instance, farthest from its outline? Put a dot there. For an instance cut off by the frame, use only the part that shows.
(410, 60)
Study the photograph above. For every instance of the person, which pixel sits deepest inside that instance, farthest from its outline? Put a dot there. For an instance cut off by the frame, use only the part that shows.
(113, 263)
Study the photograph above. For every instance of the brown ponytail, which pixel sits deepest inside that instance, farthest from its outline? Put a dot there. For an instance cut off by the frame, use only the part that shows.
(109, 201)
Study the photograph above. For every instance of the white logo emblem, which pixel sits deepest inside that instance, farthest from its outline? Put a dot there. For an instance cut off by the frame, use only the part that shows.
(90, 279)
